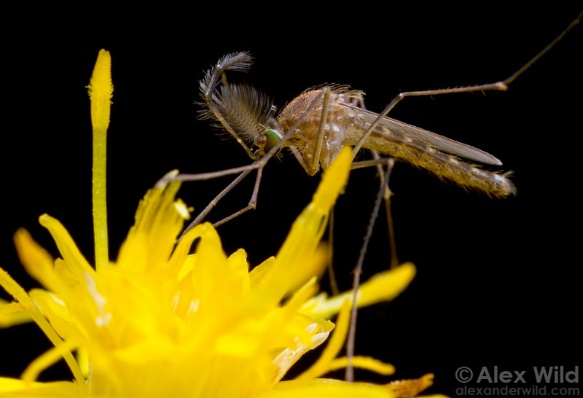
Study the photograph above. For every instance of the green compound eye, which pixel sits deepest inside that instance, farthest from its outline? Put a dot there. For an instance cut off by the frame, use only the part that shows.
(273, 138)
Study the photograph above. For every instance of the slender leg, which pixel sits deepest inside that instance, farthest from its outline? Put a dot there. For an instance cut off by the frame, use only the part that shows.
(251, 205)
(350, 343)
(387, 194)
(323, 120)
(501, 85)
(359, 101)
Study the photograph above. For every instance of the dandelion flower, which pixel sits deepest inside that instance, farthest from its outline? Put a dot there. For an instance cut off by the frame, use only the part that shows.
(185, 319)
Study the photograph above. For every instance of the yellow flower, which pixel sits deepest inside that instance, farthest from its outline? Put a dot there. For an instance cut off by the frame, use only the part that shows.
(186, 319)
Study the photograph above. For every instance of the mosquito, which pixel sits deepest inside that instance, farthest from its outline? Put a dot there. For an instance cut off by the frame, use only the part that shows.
(315, 125)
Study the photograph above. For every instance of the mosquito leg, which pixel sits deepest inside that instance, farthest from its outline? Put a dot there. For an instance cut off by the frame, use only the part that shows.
(321, 132)
(252, 202)
(384, 195)
(216, 200)
(350, 344)
(299, 157)
(501, 85)
(313, 166)
(359, 102)
(205, 176)
(387, 194)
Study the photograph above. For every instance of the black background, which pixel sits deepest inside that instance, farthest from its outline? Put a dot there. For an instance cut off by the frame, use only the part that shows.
(497, 280)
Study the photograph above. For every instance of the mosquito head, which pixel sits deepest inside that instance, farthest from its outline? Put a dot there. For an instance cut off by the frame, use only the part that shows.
(272, 137)
(266, 141)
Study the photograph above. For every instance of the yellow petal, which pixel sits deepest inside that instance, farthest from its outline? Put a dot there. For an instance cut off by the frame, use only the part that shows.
(18, 388)
(24, 299)
(314, 265)
(306, 231)
(368, 363)
(57, 313)
(36, 260)
(322, 388)
(47, 359)
(319, 329)
(322, 365)
(12, 314)
(383, 286)
(158, 221)
(411, 387)
(73, 258)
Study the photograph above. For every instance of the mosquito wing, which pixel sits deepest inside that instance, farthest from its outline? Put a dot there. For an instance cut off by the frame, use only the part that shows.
(434, 140)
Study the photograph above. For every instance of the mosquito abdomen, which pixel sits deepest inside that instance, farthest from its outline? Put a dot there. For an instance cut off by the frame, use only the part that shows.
(443, 165)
